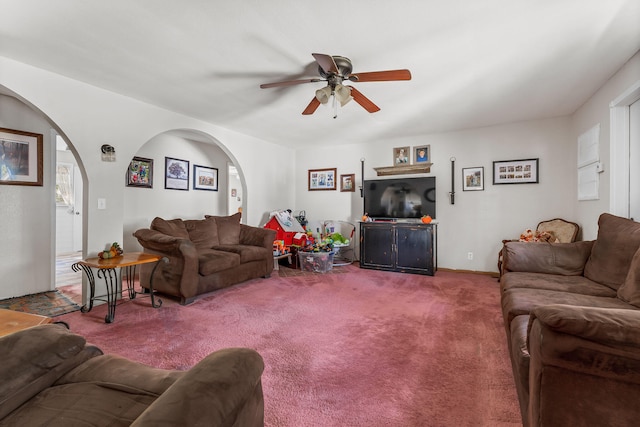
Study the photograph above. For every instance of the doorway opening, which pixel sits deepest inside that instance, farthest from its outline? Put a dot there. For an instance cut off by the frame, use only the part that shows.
(234, 188)
(624, 146)
(68, 208)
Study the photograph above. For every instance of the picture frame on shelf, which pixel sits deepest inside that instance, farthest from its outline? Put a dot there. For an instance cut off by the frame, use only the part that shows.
(473, 179)
(421, 154)
(322, 179)
(176, 174)
(21, 158)
(205, 178)
(401, 156)
(140, 173)
(523, 171)
(347, 182)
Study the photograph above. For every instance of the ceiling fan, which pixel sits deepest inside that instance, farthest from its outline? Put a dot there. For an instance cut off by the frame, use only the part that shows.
(335, 70)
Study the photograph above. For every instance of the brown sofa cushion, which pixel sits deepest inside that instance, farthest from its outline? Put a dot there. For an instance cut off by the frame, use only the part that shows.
(555, 282)
(630, 289)
(172, 227)
(32, 359)
(211, 261)
(228, 228)
(567, 259)
(83, 404)
(203, 232)
(247, 253)
(617, 242)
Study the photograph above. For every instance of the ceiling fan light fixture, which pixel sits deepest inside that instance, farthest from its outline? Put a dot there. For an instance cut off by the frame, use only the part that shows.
(343, 94)
(323, 94)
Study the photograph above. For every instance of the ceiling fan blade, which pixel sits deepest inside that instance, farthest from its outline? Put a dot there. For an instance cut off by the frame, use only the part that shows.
(363, 100)
(326, 62)
(381, 76)
(312, 107)
(289, 83)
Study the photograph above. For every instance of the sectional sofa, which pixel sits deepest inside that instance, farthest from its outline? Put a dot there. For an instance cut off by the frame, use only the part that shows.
(572, 320)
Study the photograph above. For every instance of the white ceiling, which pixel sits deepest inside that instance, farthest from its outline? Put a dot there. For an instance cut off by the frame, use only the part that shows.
(474, 63)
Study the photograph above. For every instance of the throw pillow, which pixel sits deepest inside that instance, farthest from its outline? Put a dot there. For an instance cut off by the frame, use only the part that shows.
(228, 228)
(172, 227)
(617, 242)
(630, 289)
(203, 232)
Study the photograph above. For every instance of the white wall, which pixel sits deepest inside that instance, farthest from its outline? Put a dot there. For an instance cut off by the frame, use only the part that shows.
(596, 110)
(26, 214)
(89, 117)
(479, 220)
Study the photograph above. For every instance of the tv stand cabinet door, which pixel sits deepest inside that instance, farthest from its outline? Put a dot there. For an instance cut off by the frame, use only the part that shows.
(414, 249)
(376, 246)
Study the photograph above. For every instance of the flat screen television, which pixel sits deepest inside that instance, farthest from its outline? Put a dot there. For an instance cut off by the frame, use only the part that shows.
(400, 198)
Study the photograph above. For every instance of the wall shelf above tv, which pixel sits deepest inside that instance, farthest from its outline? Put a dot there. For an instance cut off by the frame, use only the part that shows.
(403, 169)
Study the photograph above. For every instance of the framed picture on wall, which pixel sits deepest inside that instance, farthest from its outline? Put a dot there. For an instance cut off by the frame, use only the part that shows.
(140, 173)
(176, 174)
(205, 178)
(322, 179)
(347, 182)
(473, 179)
(515, 171)
(20, 158)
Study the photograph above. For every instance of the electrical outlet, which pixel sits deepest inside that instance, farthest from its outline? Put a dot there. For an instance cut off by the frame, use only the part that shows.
(102, 203)
(469, 256)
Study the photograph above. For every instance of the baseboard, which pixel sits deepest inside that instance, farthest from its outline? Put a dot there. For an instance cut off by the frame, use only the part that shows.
(493, 274)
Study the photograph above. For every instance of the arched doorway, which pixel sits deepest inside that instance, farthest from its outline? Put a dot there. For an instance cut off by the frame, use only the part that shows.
(195, 151)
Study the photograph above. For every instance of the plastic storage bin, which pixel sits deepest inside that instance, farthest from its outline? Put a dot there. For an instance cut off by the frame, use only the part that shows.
(319, 262)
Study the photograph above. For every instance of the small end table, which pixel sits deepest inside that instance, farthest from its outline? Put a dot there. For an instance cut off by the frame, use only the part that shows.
(113, 281)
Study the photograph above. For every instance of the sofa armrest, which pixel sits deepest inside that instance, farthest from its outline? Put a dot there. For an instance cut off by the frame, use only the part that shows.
(223, 389)
(180, 275)
(257, 236)
(607, 326)
(159, 242)
(584, 366)
(567, 259)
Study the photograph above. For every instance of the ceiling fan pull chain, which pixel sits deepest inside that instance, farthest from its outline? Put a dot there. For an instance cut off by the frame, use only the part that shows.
(335, 105)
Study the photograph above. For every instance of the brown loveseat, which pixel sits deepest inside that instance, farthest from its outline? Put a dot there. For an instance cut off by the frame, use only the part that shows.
(205, 254)
(51, 377)
(572, 318)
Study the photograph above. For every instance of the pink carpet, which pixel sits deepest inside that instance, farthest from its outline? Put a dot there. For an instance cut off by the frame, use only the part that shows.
(363, 348)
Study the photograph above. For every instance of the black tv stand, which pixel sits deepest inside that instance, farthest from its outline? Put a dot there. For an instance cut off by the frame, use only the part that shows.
(407, 247)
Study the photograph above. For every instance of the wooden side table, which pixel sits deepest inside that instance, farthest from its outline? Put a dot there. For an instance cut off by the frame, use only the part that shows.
(14, 321)
(113, 281)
